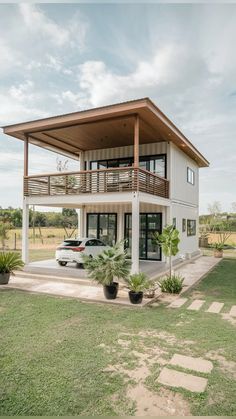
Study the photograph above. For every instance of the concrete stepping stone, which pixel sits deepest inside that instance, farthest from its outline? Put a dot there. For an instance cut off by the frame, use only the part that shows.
(233, 311)
(196, 305)
(178, 302)
(215, 307)
(195, 364)
(190, 382)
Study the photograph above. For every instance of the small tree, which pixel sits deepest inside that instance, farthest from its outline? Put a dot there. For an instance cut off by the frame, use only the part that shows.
(168, 240)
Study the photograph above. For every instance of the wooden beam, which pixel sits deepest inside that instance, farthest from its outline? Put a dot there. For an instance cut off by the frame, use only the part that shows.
(136, 141)
(26, 156)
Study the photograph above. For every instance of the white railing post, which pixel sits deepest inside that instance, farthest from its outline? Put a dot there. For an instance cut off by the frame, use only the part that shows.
(25, 232)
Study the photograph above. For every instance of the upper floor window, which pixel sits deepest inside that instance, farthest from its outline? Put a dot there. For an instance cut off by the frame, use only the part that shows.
(191, 227)
(190, 176)
(155, 164)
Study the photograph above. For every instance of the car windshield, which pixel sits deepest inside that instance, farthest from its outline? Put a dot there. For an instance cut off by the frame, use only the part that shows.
(71, 243)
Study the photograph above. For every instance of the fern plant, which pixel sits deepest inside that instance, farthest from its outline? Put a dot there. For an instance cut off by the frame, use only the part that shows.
(10, 261)
(107, 265)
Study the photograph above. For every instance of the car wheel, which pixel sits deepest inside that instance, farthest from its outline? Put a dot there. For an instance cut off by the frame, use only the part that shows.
(62, 263)
(79, 265)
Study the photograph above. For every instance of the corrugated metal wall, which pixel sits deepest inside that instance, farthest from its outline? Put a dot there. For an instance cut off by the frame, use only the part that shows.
(127, 151)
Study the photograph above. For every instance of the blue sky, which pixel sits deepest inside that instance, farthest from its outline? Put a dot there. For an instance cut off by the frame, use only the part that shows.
(57, 58)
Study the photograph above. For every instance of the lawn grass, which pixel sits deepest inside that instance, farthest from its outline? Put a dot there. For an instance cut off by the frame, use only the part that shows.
(55, 351)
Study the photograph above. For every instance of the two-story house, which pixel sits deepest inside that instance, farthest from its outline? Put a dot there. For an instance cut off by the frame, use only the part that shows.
(136, 173)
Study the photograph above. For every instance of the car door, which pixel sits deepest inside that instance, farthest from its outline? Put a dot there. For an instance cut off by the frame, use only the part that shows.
(98, 247)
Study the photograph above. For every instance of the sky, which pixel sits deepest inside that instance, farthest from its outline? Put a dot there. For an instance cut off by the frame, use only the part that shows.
(60, 58)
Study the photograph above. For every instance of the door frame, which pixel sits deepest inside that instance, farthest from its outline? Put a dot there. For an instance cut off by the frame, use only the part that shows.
(146, 238)
(98, 222)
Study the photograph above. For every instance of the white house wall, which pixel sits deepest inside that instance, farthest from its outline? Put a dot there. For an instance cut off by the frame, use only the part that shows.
(181, 190)
(188, 244)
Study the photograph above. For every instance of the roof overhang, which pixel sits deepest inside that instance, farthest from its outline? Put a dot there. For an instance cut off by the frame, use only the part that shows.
(104, 127)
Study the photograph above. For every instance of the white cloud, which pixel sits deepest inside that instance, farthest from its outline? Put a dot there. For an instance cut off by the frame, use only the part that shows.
(37, 22)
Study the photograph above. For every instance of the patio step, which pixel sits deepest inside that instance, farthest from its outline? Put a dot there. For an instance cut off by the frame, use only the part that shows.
(49, 277)
(54, 278)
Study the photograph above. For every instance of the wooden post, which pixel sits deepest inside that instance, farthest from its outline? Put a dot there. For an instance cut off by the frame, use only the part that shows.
(26, 156)
(136, 142)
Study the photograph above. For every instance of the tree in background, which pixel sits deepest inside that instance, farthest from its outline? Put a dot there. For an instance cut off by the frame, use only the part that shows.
(69, 221)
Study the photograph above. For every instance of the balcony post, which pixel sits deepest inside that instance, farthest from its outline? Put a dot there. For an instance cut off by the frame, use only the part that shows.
(135, 233)
(25, 232)
(136, 142)
(26, 155)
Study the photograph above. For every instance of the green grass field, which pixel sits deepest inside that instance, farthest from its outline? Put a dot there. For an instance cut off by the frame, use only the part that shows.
(57, 353)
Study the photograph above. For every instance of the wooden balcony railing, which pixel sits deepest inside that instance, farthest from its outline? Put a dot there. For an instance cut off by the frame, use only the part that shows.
(96, 181)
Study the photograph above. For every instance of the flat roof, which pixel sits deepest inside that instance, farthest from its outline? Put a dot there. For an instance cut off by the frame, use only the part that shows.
(104, 127)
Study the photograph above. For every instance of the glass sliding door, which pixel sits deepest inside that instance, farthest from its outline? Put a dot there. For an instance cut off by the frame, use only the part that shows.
(102, 226)
(149, 224)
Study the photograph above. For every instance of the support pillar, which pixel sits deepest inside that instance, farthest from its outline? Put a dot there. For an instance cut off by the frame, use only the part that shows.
(135, 233)
(82, 222)
(25, 232)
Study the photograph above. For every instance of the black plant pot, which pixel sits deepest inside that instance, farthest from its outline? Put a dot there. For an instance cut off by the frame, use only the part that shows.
(110, 291)
(4, 278)
(135, 297)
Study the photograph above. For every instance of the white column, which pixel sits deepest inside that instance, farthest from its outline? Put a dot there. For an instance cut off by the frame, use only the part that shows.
(135, 233)
(25, 232)
(82, 222)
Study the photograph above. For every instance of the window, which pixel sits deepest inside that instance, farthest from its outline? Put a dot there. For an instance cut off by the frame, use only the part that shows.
(102, 226)
(155, 164)
(183, 225)
(71, 243)
(191, 227)
(190, 176)
(174, 222)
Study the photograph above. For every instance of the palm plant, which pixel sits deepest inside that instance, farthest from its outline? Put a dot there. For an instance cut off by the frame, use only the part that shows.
(138, 282)
(111, 263)
(9, 262)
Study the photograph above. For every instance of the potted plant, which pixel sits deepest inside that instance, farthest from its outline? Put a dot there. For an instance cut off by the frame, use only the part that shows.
(218, 249)
(9, 261)
(137, 284)
(106, 266)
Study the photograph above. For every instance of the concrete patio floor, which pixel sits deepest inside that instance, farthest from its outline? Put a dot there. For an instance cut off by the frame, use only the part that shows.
(51, 267)
(84, 289)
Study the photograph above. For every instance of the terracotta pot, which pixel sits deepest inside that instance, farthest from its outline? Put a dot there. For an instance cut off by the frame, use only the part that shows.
(4, 278)
(218, 253)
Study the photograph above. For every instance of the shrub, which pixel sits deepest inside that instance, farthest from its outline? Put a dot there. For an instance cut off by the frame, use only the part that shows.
(172, 284)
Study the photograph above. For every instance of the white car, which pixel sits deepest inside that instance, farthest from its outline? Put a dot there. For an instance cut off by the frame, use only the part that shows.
(71, 250)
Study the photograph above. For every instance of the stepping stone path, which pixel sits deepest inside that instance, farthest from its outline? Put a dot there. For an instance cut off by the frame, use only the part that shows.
(215, 307)
(193, 383)
(233, 311)
(190, 382)
(195, 364)
(196, 305)
(178, 303)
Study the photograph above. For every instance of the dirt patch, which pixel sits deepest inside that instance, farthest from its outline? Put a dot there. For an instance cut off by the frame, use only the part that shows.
(197, 295)
(225, 365)
(163, 403)
(226, 316)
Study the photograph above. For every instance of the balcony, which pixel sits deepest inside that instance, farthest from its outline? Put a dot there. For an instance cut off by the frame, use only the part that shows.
(96, 181)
